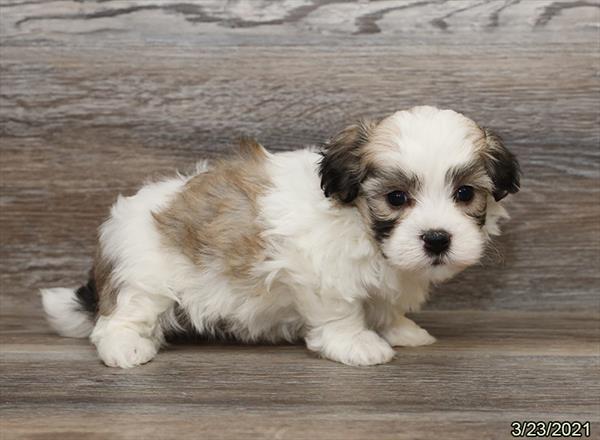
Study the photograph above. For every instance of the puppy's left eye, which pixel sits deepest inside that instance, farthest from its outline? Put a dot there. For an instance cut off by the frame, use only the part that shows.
(464, 194)
(397, 198)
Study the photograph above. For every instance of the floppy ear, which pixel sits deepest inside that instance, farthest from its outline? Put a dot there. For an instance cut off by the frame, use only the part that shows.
(501, 165)
(341, 168)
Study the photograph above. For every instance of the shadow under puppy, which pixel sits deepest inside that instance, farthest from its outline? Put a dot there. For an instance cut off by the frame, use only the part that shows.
(333, 247)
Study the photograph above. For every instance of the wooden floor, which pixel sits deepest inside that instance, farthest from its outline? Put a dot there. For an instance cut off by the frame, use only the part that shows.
(97, 95)
(487, 370)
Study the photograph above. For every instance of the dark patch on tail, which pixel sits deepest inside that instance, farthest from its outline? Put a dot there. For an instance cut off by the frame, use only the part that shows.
(87, 297)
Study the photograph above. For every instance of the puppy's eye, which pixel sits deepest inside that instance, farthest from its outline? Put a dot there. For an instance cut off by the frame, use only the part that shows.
(397, 198)
(464, 194)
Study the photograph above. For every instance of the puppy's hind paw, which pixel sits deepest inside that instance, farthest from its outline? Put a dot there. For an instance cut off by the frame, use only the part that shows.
(406, 333)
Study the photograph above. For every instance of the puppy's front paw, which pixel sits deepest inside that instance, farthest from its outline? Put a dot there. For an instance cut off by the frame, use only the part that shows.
(126, 349)
(407, 333)
(364, 348)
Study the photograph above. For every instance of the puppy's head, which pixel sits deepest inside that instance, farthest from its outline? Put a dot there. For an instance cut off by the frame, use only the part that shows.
(428, 182)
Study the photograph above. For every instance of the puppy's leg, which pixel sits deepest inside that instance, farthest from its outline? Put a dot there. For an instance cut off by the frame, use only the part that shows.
(131, 335)
(388, 319)
(338, 332)
(404, 332)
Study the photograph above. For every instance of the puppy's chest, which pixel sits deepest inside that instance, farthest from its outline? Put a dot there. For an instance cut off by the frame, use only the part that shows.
(406, 290)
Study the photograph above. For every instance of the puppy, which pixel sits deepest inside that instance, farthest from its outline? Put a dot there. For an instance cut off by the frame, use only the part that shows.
(332, 247)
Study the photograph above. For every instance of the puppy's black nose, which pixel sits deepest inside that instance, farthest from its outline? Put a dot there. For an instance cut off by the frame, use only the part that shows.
(436, 241)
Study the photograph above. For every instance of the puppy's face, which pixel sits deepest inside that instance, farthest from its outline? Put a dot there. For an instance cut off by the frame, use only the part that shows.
(427, 182)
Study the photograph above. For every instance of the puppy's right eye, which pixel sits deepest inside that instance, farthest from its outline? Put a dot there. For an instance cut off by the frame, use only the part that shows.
(397, 198)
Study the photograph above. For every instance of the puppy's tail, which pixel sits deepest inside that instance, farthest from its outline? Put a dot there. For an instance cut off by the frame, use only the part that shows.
(71, 312)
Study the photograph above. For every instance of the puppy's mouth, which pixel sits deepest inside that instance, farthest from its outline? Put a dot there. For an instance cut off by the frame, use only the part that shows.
(438, 261)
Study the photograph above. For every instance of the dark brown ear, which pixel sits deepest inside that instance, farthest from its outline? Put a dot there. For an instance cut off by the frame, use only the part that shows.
(501, 165)
(341, 168)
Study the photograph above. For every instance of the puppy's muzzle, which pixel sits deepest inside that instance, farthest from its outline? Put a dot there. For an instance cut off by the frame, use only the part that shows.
(436, 242)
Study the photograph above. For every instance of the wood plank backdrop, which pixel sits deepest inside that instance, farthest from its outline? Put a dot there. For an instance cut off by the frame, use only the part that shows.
(98, 95)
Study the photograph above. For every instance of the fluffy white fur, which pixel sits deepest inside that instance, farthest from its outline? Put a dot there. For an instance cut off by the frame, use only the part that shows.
(63, 314)
(326, 280)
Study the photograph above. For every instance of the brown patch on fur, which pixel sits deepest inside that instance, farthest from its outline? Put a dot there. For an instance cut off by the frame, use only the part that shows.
(107, 290)
(342, 169)
(215, 217)
(472, 173)
(375, 208)
(478, 210)
(250, 149)
(501, 165)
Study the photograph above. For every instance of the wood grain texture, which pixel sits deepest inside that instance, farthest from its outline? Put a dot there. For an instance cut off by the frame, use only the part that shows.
(97, 95)
(486, 370)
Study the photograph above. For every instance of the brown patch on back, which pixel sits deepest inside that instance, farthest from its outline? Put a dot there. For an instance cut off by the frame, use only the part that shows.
(215, 216)
(250, 149)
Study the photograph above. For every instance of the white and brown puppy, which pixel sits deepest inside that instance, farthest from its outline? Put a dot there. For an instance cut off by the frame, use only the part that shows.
(332, 247)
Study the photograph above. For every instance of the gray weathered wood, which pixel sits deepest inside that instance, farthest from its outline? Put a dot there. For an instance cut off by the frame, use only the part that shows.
(486, 370)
